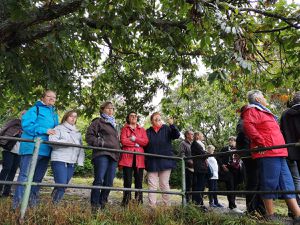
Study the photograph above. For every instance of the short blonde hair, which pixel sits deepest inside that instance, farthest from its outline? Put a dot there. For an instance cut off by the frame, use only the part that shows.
(211, 149)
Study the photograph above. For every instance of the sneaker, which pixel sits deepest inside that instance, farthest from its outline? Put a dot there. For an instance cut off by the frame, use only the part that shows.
(219, 205)
(236, 210)
(203, 208)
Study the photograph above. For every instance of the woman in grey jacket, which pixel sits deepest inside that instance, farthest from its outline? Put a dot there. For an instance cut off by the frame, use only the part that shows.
(63, 158)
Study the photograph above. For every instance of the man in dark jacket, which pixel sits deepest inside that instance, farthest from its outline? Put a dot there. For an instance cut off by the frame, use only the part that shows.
(200, 169)
(185, 151)
(290, 127)
(230, 172)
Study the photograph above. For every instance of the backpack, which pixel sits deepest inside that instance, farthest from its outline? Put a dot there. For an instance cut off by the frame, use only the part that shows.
(11, 129)
(210, 172)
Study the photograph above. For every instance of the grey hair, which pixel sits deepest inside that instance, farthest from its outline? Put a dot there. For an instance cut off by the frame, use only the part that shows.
(296, 98)
(232, 138)
(252, 95)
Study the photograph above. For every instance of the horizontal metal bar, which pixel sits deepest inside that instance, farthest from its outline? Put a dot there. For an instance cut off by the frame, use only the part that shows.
(92, 147)
(90, 187)
(149, 191)
(243, 192)
(16, 139)
(297, 144)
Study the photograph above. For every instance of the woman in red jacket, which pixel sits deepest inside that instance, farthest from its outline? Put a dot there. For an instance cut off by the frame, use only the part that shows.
(133, 138)
(262, 129)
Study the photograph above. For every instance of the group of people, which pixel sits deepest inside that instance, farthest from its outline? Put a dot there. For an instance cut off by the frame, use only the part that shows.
(155, 140)
(274, 169)
(205, 171)
(41, 121)
(266, 170)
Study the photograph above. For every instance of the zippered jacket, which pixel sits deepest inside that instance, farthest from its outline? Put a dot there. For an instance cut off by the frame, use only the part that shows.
(102, 134)
(66, 133)
(35, 123)
(141, 140)
(262, 129)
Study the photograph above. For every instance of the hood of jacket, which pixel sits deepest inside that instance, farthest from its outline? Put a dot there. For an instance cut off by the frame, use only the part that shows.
(294, 110)
(39, 103)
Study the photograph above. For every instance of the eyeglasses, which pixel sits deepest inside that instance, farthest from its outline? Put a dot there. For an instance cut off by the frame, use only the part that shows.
(110, 108)
(157, 119)
(133, 116)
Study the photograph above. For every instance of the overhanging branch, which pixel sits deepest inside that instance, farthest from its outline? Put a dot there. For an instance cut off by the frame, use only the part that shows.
(10, 29)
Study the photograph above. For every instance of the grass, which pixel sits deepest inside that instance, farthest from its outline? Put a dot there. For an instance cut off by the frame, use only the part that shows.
(79, 212)
(75, 209)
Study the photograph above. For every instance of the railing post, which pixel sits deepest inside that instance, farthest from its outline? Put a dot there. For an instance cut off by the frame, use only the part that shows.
(183, 182)
(28, 185)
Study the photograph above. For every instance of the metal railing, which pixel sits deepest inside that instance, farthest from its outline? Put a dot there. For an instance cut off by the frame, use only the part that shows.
(182, 193)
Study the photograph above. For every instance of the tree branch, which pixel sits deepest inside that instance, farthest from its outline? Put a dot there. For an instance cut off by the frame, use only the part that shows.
(10, 29)
(34, 35)
(272, 30)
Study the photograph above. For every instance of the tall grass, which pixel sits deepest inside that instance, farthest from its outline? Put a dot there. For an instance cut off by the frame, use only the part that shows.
(76, 212)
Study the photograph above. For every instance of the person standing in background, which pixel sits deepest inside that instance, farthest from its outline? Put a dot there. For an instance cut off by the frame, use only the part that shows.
(10, 153)
(185, 151)
(213, 181)
(290, 127)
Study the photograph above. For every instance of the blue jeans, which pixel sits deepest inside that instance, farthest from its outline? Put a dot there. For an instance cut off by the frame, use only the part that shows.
(40, 170)
(10, 165)
(104, 174)
(62, 173)
(213, 186)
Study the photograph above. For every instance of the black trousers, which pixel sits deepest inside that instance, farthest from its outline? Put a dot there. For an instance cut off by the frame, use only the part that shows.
(253, 201)
(189, 183)
(231, 184)
(201, 180)
(138, 182)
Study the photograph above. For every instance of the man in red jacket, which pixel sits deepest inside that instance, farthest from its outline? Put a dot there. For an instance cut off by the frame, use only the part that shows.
(261, 127)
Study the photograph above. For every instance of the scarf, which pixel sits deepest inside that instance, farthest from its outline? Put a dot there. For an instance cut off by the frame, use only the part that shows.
(109, 119)
(266, 109)
(156, 128)
(70, 127)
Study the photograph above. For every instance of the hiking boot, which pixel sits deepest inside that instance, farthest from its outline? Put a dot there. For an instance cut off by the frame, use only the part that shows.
(273, 218)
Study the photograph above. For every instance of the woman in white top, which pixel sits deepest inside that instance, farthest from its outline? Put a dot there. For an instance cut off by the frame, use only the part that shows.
(63, 159)
(213, 181)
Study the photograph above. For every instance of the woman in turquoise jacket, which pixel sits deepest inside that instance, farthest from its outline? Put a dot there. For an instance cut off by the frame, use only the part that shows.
(38, 121)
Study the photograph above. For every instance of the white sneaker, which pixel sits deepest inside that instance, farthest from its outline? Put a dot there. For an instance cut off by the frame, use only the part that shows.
(236, 210)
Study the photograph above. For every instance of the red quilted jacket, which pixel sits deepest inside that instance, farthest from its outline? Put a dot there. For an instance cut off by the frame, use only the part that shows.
(137, 145)
(262, 129)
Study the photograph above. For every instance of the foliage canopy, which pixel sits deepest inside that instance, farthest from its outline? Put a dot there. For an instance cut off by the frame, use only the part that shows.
(90, 51)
